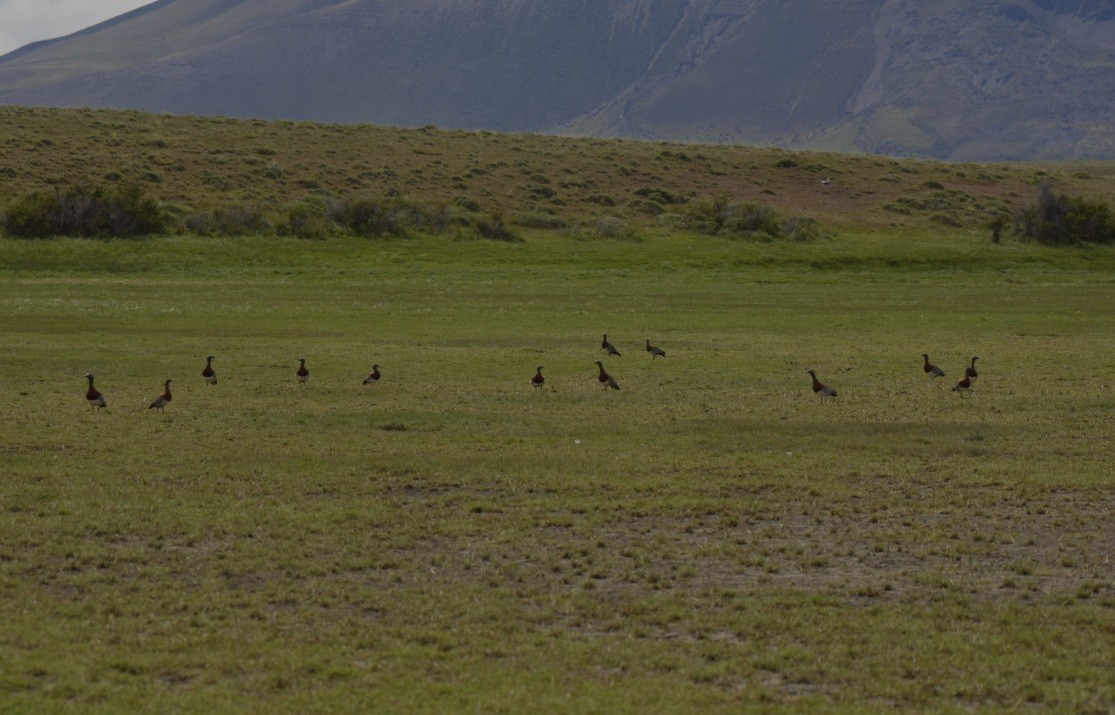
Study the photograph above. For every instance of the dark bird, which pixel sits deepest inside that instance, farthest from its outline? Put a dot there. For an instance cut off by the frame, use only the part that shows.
(538, 381)
(655, 352)
(93, 397)
(373, 376)
(162, 400)
(970, 371)
(931, 369)
(963, 385)
(605, 379)
(302, 373)
(820, 388)
(209, 373)
(608, 348)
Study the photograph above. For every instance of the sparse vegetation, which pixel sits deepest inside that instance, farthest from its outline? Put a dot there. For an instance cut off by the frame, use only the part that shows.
(208, 164)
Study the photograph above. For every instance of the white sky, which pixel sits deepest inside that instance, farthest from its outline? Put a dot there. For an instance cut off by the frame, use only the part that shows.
(25, 21)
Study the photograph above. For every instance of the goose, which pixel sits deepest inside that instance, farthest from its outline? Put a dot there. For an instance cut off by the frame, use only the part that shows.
(970, 371)
(608, 348)
(538, 381)
(931, 369)
(373, 376)
(655, 352)
(209, 373)
(93, 396)
(605, 379)
(302, 373)
(963, 385)
(162, 400)
(820, 388)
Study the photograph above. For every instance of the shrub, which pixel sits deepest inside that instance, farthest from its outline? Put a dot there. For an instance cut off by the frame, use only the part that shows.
(946, 220)
(1064, 220)
(719, 217)
(84, 211)
(30, 217)
(427, 218)
(530, 219)
(467, 204)
(394, 216)
(240, 220)
(493, 228)
(305, 220)
(797, 228)
(749, 218)
(366, 217)
(660, 196)
(129, 212)
(610, 227)
(201, 224)
(645, 206)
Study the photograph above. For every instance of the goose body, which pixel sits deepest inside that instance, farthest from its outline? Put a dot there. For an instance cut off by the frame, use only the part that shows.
(373, 376)
(931, 369)
(95, 399)
(302, 372)
(821, 389)
(209, 373)
(608, 348)
(655, 352)
(160, 402)
(605, 379)
(538, 381)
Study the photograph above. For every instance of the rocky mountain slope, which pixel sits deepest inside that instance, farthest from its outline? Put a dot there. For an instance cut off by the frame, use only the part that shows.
(953, 79)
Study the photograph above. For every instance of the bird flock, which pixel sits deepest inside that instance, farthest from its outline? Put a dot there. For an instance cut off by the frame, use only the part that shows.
(963, 386)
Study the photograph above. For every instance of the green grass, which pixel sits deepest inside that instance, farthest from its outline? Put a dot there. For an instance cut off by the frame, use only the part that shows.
(708, 537)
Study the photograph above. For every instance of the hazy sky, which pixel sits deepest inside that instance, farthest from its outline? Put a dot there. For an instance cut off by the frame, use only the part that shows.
(24, 21)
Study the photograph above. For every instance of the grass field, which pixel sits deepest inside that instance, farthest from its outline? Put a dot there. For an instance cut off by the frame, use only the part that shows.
(710, 536)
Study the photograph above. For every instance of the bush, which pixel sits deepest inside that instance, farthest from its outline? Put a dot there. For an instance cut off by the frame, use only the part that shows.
(538, 220)
(1059, 220)
(718, 216)
(366, 217)
(119, 212)
(394, 216)
(493, 228)
(305, 220)
(32, 216)
(240, 220)
(610, 227)
(660, 196)
(749, 218)
(798, 228)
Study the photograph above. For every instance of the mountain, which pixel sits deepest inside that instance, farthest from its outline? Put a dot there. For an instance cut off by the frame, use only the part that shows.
(947, 79)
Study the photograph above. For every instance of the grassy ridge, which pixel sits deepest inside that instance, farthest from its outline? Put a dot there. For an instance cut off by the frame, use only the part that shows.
(194, 164)
(709, 536)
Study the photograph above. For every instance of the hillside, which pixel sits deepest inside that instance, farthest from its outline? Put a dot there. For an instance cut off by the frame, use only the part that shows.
(196, 163)
(1012, 80)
